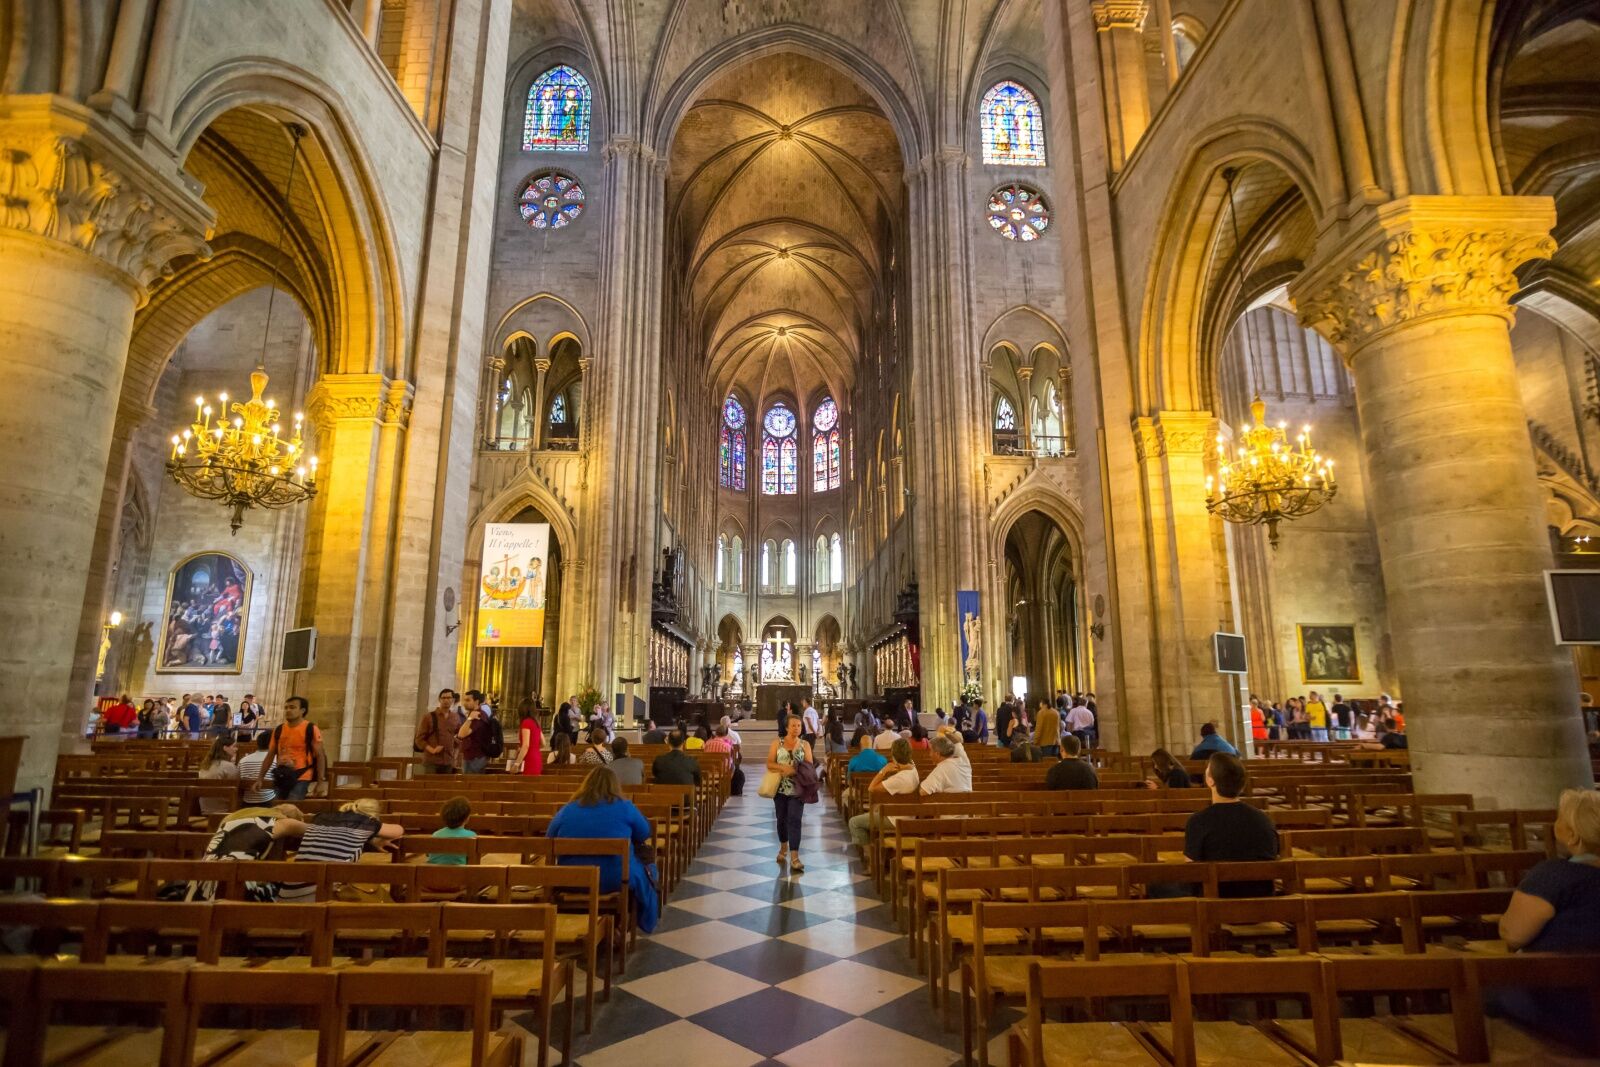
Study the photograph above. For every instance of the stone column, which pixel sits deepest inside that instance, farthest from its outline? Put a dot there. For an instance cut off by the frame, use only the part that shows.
(1069, 439)
(360, 421)
(1415, 295)
(86, 224)
(1025, 416)
(541, 365)
(1187, 567)
(1127, 92)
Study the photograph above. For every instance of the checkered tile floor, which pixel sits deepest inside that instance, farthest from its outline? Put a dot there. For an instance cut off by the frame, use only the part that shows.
(753, 965)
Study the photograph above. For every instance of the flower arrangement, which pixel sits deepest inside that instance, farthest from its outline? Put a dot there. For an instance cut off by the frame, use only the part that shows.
(970, 692)
(588, 697)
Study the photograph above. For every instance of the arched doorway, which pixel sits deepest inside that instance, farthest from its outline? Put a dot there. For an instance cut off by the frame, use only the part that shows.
(515, 673)
(825, 656)
(1043, 640)
(730, 656)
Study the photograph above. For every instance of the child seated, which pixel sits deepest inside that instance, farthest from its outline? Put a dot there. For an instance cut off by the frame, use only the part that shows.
(454, 813)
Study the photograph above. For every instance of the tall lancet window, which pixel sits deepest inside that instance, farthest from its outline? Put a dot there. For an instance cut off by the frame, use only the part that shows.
(825, 447)
(731, 457)
(780, 453)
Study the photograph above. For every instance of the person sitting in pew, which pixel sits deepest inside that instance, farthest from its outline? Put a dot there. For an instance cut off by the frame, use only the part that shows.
(455, 812)
(1168, 773)
(219, 766)
(599, 810)
(1072, 772)
(1226, 831)
(897, 777)
(1556, 908)
(867, 758)
(340, 837)
(1211, 741)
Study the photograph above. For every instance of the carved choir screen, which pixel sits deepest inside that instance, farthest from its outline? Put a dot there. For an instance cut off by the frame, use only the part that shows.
(669, 661)
(895, 667)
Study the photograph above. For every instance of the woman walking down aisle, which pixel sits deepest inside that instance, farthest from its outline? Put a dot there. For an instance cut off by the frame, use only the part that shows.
(784, 758)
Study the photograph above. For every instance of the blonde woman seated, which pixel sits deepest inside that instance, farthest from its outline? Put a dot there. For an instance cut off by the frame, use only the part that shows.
(896, 778)
(1557, 909)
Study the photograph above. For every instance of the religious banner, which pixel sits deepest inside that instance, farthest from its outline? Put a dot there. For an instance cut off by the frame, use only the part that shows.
(511, 585)
(971, 620)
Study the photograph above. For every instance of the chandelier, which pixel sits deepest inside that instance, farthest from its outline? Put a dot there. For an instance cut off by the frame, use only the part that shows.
(245, 461)
(1269, 480)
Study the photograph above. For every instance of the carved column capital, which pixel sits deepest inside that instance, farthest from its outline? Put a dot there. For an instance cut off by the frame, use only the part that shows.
(337, 398)
(1120, 14)
(542, 365)
(66, 177)
(1147, 443)
(1186, 433)
(1423, 257)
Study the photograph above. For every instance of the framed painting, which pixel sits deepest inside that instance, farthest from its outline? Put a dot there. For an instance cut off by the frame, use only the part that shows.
(1328, 653)
(203, 622)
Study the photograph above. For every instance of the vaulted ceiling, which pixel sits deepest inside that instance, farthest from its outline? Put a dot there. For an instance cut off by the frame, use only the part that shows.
(785, 198)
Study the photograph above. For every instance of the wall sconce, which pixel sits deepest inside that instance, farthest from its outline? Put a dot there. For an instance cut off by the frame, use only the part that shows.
(1098, 629)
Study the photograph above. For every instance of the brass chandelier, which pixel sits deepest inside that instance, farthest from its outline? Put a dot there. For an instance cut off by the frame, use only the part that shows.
(1267, 480)
(245, 461)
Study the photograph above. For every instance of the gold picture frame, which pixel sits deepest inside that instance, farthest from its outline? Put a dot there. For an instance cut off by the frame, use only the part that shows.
(201, 637)
(1329, 653)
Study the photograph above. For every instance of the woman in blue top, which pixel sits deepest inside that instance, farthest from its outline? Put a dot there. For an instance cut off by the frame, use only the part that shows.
(599, 809)
(1557, 909)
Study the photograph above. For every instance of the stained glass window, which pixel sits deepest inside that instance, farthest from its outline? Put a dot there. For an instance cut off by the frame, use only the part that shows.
(722, 559)
(550, 201)
(736, 564)
(769, 467)
(780, 453)
(790, 564)
(558, 410)
(738, 669)
(789, 467)
(1005, 416)
(1013, 126)
(819, 563)
(816, 664)
(557, 118)
(836, 562)
(825, 447)
(1017, 212)
(730, 459)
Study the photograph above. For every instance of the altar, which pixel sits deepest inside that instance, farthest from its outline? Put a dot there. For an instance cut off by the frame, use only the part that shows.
(771, 695)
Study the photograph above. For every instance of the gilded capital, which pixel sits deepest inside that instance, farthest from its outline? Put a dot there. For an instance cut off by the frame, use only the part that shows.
(1186, 433)
(67, 178)
(337, 398)
(1120, 14)
(1423, 257)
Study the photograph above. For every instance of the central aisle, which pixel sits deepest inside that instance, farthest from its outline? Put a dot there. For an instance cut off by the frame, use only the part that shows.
(752, 965)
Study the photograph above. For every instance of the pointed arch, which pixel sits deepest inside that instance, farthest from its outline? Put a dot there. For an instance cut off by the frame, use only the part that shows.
(1012, 125)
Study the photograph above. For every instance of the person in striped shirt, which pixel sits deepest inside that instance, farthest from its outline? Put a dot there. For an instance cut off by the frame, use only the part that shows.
(250, 768)
(339, 837)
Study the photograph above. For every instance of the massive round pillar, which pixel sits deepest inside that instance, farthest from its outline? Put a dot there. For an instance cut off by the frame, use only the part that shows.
(1418, 302)
(87, 224)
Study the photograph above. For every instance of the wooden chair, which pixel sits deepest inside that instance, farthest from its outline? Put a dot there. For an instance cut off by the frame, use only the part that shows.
(408, 934)
(1265, 982)
(295, 935)
(1542, 971)
(1361, 923)
(55, 923)
(1380, 1040)
(131, 932)
(314, 992)
(580, 929)
(618, 905)
(467, 988)
(533, 982)
(1033, 1042)
(99, 993)
(989, 978)
(1248, 925)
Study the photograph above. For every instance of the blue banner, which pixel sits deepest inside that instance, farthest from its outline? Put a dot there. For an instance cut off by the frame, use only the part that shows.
(970, 620)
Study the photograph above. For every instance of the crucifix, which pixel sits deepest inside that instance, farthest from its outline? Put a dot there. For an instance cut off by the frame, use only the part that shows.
(777, 643)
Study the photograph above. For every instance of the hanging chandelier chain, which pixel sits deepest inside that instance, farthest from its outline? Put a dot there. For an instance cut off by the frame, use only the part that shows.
(296, 131)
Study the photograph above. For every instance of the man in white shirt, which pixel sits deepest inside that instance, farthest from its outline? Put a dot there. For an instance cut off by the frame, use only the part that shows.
(898, 777)
(952, 771)
(886, 739)
(810, 727)
(1080, 720)
(250, 772)
(733, 735)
